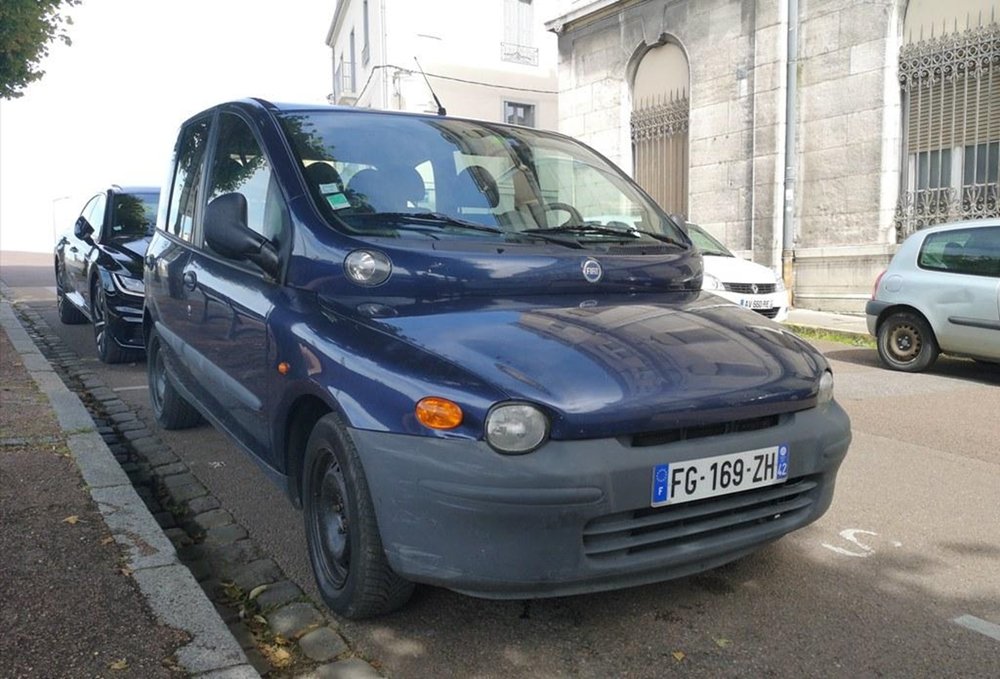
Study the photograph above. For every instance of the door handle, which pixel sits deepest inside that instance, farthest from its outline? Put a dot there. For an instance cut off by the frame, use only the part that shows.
(190, 280)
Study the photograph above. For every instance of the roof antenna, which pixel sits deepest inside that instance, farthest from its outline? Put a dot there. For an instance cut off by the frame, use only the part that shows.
(441, 111)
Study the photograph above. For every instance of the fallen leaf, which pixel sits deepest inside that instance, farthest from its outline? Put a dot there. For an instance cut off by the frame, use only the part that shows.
(126, 571)
(119, 665)
(722, 643)
(71, 520)
(107, 541)
(678, 655)
(257, 591)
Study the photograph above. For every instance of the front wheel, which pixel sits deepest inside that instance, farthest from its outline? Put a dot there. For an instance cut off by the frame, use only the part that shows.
(108, 350)
(169, 407)
(345, 548)
(906, 342)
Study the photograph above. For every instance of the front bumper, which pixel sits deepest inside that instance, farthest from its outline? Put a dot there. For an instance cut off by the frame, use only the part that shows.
(575, 516)
(125, 319)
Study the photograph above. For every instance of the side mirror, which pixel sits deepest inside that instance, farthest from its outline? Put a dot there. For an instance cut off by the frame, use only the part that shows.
(227, 233)
(82, 229)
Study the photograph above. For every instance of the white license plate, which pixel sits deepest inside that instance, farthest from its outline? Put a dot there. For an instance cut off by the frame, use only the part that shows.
(689, 480)
(755, 303)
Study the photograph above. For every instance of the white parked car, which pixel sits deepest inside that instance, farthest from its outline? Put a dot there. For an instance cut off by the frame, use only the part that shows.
(941, 293)
(740, 281)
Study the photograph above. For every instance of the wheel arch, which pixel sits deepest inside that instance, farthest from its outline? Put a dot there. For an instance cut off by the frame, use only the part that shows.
(303, 414)
(903, 308)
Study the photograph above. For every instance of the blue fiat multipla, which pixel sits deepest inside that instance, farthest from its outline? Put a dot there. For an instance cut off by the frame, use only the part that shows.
(476, 355)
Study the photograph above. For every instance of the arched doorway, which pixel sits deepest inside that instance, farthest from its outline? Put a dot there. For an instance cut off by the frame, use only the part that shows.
(660, 114)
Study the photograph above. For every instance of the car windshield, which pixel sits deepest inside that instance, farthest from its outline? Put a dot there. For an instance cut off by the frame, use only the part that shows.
(134, 214)
(422, 177)
(706, 243)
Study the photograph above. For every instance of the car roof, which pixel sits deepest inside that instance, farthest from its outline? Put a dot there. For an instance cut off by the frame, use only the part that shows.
(117, 188)
(952, 226)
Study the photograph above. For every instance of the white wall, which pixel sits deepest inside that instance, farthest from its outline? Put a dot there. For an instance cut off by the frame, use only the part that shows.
(459, 47)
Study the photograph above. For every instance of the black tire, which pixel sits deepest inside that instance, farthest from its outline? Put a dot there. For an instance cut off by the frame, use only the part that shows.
(68, 314)
(108, 350)
(169, 407)
(345, 549)
(906, 342)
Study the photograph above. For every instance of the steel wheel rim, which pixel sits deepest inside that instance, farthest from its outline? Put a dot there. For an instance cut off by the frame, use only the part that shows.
(330, 525)
(158, 381)
(904, 343)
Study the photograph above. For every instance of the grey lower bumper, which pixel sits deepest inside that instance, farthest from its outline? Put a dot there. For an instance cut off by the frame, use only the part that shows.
(459, 515)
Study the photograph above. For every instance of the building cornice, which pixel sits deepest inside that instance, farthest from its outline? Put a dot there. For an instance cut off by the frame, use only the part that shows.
(338, 18)
(592, 11)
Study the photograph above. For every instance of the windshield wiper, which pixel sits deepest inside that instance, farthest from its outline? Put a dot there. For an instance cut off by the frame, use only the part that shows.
(584, 228)
(429, 219)
(605, 231)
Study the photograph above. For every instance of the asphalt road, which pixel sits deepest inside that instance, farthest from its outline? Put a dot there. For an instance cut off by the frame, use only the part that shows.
(911, 543)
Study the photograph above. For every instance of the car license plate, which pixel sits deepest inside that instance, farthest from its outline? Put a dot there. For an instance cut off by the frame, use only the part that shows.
(689, 480)
(755, 303)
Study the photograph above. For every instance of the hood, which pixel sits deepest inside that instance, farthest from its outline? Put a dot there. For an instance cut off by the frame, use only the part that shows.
(737, 270)
(617, 365)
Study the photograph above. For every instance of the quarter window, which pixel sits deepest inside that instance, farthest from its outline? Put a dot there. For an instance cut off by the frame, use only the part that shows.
(974, 252)
(240, 166)
(187, 178)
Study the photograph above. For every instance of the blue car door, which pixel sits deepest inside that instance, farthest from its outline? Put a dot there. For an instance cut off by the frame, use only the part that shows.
(231, 300)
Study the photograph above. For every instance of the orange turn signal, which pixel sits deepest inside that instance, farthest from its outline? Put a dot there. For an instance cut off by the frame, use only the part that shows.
(438, 413)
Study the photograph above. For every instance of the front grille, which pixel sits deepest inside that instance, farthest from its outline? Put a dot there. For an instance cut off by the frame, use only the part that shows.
(664, 436)
(770, 313)
(681, 527)
(747, 288)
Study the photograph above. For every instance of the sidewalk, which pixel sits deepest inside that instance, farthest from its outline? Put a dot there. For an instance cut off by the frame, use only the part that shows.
(88, 583)
(845, 324)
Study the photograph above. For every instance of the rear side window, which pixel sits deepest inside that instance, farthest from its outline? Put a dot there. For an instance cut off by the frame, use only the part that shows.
(974, 252)
(240, 166)
(187, 178)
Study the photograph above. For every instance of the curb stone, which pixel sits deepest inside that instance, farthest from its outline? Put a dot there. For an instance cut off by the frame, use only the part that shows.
(151, 558)
(223, 562)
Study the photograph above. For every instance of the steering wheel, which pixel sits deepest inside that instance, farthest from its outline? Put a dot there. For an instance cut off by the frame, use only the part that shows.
(574, 215)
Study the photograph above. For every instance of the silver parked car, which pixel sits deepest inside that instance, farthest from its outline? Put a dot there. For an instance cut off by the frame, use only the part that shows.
(941, 293)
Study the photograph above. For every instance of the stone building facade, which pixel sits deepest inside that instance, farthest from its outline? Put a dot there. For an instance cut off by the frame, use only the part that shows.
(829, 212)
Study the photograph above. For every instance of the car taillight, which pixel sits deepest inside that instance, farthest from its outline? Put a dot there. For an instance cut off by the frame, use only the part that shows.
(877, 281)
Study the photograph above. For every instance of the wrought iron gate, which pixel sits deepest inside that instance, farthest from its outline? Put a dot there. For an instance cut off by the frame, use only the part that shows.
(660, 149)
(951, 128)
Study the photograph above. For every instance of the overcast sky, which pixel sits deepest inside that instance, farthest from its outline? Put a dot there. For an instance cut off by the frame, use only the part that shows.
(108, 107)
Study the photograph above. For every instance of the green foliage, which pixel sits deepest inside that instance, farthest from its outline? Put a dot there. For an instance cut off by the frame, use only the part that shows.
(27, 27)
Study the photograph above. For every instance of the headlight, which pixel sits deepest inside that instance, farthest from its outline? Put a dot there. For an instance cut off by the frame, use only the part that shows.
(367, 267)
(130, 286)
(516, 428)
(710, 282)
(825, 393)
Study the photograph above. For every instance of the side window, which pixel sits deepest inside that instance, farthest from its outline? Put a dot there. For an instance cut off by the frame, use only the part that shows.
(187, 178)
(240, 166)
(974, 252)
(96, 214)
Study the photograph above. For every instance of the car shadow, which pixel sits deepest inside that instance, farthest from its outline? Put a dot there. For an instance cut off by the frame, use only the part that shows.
(945, 366)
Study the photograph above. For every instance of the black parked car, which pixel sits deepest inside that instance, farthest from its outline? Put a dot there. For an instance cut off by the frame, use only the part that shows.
(99, 269)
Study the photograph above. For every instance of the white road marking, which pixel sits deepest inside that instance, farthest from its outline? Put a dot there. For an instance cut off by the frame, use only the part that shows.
(849, 535)
(978, 625)
(137, 388)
